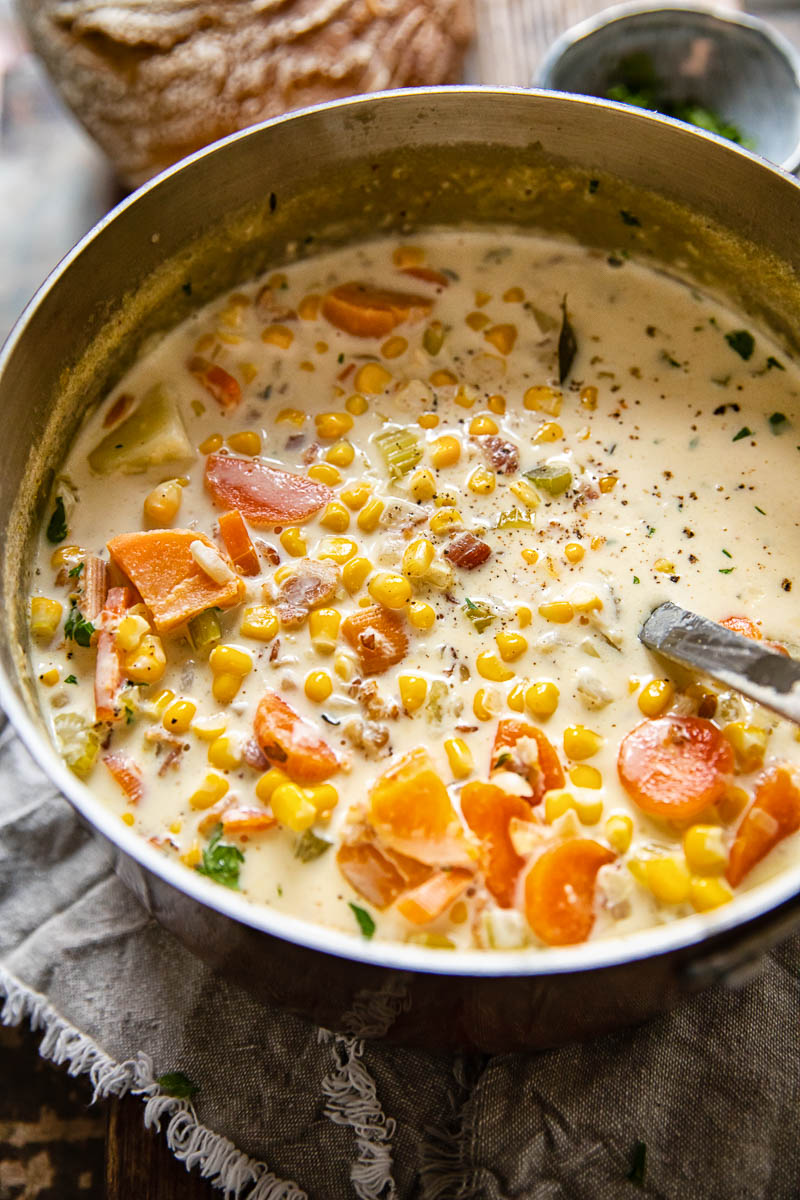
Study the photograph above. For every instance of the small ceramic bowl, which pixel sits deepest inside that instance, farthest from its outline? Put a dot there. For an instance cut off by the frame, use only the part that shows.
(734, 65)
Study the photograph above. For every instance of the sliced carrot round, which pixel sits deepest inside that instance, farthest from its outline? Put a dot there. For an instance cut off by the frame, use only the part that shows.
(291, 743)
(673, 767)
(367, 311)
(744, 626)
(542, 775)
(773, 815)
(263, 494)
(559, 891)
(488, 811)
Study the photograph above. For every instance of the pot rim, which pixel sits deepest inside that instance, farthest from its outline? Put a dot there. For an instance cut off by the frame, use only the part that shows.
(680, 934)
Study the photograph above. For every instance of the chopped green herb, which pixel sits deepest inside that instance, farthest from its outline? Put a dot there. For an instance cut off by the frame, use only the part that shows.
(78, 628)
(744, 432)
(75, 572)
(267, 392)
(501, 760)
(727, 553)
(70, 679)
(594, 184)
(187, 287)
(221, 862)
(726, 570)
(638, 1164)
(57, 525)
(636, 579)
(554, 478)
(365, 921)
(777, 421)
(651, 530)
(308, 846)
(479, 613)
(340, 358)
(176, 1084)
(567, 344)
(773, 362)
(742, 342)
(760, 510)
(629, 218)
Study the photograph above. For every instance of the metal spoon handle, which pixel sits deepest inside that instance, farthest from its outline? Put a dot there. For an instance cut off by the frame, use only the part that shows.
(765, 676)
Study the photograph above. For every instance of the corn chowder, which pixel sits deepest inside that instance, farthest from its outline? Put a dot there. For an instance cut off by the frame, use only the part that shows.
(339, 594)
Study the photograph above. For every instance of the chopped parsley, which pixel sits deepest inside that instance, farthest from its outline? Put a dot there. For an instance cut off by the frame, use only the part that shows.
(777, 421)
(365, 921)
(744, 432)
(75, 572)
(651, 530)
(760, 510)
(77, 628)
(567, 344)
(308, 846)
(70, 679)
(628, 218)
(727, 553)
(340, 358)
(221, 862)
(176, 1084)
(57, 525)
(742, 342)
(773, 362)
(725, 570)
(636, 579)
(638, 1164)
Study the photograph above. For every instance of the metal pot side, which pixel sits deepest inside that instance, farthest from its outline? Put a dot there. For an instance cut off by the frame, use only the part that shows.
(569, 166)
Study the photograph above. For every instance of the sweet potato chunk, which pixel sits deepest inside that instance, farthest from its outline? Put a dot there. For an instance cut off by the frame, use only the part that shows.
(773, 815)
(160, 564)
(410, 811)
(378, 875)
(431, 898)
(378, 638)
(241, 550)
(488, 810)
(291, 743)
(263, 494)
(366, 311)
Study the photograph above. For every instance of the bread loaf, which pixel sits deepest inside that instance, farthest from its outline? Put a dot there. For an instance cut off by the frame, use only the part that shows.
(154, 80)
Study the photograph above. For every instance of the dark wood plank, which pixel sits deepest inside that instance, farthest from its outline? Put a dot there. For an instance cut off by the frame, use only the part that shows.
(139, 1162)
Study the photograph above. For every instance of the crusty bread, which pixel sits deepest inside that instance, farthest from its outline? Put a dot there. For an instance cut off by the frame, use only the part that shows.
(153, 80)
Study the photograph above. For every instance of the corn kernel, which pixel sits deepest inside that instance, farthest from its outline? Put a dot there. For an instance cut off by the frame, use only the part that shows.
(293, 416)
(589, 811)
(584, 600)
(370, 515)
(482, 424)
(586, 777)
(356, 405)
(510, 645)
(323, 628)
(418, 557)
(147, 663)
(324, 797)
(589, 398)
(550, 431)
(482, 481)
(524, 616)
(445, 520)
(445, 452)
(211, 790)
(338, 549)
(259, 622)
(130, 632)
(502, 337)
(556, 803)
(497, 405)
(45, 616)
(580, 743)
(706, 894)
(573, 552)
(482, 298)
(422, 485)
(393, 347)
(704, 849)
(516, 697)
(372, 379)
(128, 818)
(413, 690)
(531, 557)
(393, 591)
(459, 756)
(208, 729)
(486, 704)
(355, 573)
(668, 879)
(655, 697)
(421, 615)
(308, 308)
(324, 473)
(619, 832)
(267, 783)
(355, 496)
(292, 808)
(229, 659)
(607, 483)
(179, 716)
(443, 378)
(344, 666)
(408, 256)
(225, 686)
(341, 454)
(526, 492)
(224, 754)
(318, 686)
(542, 698)
(732, 804)
(543, 399)
(560, 612)
(749, 744)
(293, 542)
(246, 442)
(160, 702)
(193, 855)
(211, 444)
(335, 517)
(427, 420)
(162, 504)
(277, 335)
(664, 565)
(477, 321)
(332, 425)
(490, 667)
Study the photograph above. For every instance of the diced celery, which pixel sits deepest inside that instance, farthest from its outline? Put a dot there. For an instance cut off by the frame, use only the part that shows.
(204, 629)
(151, 435)
(479, 613)
(308, 846)
(514, 518)
(554, 478)
(78, 742)
(400, 449)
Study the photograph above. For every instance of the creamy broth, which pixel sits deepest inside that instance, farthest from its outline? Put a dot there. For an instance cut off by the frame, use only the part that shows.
(668, 448)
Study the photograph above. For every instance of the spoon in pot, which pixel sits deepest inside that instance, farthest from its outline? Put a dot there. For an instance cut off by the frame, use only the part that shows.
(769, 678)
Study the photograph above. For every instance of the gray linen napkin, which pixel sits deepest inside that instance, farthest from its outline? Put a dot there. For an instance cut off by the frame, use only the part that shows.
(712, 1090)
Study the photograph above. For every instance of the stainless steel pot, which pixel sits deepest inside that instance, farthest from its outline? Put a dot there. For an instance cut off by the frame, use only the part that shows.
(567, 165)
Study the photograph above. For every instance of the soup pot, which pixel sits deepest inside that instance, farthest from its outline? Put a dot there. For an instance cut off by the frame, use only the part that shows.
(569, 166)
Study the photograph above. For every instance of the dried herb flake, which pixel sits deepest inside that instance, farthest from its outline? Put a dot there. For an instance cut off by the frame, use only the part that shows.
(567, 344)
(57, 525)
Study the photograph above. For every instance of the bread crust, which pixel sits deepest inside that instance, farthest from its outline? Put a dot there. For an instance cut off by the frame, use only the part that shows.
(154, 80)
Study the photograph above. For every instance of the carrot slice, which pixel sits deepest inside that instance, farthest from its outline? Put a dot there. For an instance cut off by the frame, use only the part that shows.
(366, 311)
(411, 812)
(773, 815)
(262, 494)
(427, 275)
(239, 818)
(291, 743)
(559, 891)
(241, 550)
(216, 380)
(432, 897)
(488, 810)
(542, 775)
(127, 775)
(378, 638)
(108, 666)
(674, 767)
(172, 585)
(744, 626)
